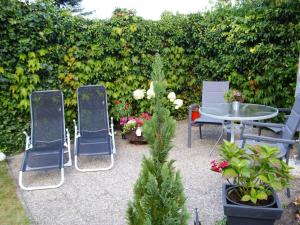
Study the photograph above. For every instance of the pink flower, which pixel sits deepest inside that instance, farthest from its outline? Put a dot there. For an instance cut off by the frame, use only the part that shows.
(123, 121)
(213, 162)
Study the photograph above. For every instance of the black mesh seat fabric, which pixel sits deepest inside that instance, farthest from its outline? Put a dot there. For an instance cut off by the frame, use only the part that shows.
(94, 138)
(41, 159)
(93, 146)
(47, 132)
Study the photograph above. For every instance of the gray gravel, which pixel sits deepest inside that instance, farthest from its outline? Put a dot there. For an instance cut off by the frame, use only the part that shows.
(101, 197)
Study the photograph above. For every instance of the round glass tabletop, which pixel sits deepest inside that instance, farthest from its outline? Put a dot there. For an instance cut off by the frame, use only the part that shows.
(244, 111)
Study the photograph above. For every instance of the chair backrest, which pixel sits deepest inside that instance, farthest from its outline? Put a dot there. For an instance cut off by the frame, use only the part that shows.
(293, 121)
(213, 92)
(92, 111)
(47, 119)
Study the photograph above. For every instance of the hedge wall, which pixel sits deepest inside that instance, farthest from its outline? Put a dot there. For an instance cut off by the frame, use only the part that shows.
(254, 45)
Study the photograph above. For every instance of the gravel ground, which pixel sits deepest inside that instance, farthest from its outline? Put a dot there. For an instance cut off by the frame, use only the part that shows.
(101, 197)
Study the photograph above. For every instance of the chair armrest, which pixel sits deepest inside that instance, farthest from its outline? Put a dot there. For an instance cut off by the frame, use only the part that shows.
(67, 141)
(268, 139)
(260, 124)
(28, 141)
(67, 132)
(111, 124)
(76, 134)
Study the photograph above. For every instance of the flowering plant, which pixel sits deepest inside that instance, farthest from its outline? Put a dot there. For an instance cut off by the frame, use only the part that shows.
(255, 172)
(140, 94)
(134, 122)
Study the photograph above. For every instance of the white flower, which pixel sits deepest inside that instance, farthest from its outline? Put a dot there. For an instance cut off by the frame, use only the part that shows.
(138, 132)
(2, 156)
(178, 103)
(150, 93)
(138, 94)
(172, 96)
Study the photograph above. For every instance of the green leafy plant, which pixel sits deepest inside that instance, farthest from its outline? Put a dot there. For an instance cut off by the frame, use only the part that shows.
(158, 193)
(255, 172)
(121, 109)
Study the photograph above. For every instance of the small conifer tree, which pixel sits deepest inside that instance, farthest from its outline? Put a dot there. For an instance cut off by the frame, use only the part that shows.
(158, 193)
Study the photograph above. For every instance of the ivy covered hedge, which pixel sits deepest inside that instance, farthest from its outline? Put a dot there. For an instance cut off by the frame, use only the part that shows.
(254, 45)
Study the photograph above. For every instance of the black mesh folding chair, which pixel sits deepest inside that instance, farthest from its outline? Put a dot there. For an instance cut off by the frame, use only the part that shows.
(93, 136)
(49, 138)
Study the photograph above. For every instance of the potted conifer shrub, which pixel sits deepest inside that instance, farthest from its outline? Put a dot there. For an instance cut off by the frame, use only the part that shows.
(253, 177)
(158, 193)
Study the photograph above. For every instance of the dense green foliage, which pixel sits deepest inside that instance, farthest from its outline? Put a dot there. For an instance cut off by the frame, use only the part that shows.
(254, 45)
(158, 193)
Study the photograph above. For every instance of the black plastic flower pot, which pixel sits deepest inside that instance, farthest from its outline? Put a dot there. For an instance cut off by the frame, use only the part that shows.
(250, 215)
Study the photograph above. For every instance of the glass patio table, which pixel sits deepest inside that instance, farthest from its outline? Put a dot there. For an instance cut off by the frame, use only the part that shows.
(240, 112)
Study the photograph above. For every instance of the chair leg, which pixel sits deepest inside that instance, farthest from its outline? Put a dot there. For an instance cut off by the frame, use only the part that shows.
(113, 135)
(219, 139)
(287, 157)
(259, 131)
(288, 192)
(96, 169)
(200, 131)
(31, 188)
(228, 136)
(189, 135)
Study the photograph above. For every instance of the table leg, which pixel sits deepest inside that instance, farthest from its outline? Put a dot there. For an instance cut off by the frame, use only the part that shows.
(232, 132)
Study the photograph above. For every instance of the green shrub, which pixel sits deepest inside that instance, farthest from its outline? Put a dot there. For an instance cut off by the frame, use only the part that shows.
(255, 45)
(158, 192)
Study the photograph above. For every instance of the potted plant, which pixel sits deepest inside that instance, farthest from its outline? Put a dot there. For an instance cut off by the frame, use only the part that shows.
(253, 176)
(133, 128)
(235, 97)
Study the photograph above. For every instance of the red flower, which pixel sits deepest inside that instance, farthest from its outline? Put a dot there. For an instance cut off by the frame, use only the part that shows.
(216, 168)
(139, 121)
(224, 164)
(145, 116)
